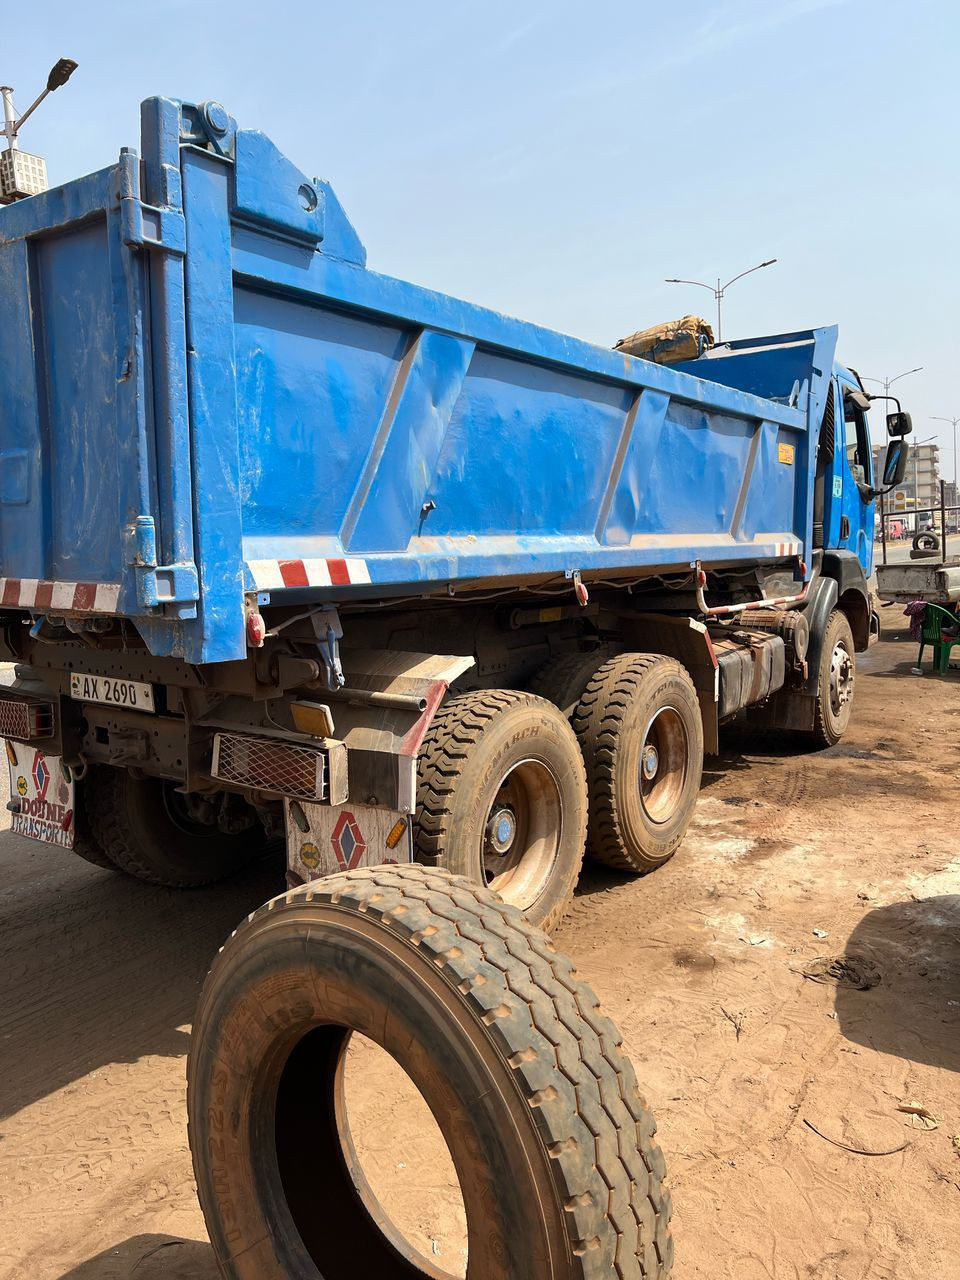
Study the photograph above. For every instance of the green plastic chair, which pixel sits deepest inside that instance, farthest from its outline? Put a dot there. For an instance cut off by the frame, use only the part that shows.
(941, 630)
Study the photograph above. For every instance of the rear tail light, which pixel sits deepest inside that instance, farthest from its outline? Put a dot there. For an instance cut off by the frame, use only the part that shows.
(23, 719)
(266, 764)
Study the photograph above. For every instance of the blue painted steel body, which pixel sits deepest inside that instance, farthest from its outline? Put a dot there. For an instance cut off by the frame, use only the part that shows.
(200, 373)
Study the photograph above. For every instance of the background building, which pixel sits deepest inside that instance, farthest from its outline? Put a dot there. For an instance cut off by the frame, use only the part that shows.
(920, 488)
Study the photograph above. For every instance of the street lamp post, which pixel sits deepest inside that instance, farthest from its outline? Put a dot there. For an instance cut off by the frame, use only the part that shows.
(953, 422)
(60, 73)
(719, 289)
(887, 383)
(21, 174)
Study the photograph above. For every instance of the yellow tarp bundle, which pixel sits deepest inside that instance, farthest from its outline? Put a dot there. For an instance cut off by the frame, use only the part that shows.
(667, 343)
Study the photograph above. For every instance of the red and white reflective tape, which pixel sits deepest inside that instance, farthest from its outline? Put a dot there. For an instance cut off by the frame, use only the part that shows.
(788, 548)
(758, 604)
(59, 597)
(713, 611)
(276, 575)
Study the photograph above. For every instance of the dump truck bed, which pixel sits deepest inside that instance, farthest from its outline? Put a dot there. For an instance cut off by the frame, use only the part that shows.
(208, 402)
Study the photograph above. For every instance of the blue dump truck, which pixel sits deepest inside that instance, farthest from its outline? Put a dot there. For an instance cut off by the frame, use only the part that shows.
(292, 549)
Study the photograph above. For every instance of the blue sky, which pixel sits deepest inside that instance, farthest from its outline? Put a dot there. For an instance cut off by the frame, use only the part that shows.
(557, 161)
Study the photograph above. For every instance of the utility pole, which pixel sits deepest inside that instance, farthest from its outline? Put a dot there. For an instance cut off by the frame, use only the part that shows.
(953, 422)
(720, 289)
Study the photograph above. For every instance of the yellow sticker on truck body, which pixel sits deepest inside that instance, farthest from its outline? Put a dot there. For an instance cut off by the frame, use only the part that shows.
(785, 454)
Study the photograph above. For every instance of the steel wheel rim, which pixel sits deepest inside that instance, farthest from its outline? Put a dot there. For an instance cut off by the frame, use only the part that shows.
(841, 678)
(520, 843)
(662, 770)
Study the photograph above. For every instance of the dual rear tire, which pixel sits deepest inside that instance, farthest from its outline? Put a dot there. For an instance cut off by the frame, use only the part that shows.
(512, 786)
(502, 799)
(639, 726)
(506, 781)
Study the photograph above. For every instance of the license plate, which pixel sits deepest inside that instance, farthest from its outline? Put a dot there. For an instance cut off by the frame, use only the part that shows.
(134, 694)
(43, 791)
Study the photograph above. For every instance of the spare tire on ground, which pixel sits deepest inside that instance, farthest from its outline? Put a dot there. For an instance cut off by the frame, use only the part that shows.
(926, 541)
(553, 1147)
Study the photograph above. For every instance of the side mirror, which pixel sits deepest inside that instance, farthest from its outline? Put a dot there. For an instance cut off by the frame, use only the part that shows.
(899, 423)
(895, 460)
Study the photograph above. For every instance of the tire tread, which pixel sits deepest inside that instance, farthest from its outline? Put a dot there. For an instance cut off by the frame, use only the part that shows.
(598, 722)
(822, 735)
(106, 795)
(446, 751)
(111, 830)
(85, 843)
(562, 680)
(565, 1056)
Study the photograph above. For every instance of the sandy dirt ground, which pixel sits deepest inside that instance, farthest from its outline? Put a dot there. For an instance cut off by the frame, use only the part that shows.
(701, 964)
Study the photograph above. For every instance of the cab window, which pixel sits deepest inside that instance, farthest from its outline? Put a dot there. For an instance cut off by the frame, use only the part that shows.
(857, 440)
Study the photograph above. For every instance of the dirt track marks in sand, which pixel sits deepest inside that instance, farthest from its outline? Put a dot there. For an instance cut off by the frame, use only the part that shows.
(99, 975)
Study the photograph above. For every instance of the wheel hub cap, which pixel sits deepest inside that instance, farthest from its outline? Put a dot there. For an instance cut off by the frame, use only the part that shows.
(841, 679)
(651, 762)
(521, 836)
(501, 830)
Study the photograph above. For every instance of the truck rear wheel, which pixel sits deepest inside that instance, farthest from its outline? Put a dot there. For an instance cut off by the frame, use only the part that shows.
(835, 682)
(85, 844)
(145, 827)
(502, 798)
(552, 1145)
(563, 679)
(639, 726)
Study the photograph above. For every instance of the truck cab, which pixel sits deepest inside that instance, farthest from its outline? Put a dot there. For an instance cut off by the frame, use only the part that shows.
(845, 487)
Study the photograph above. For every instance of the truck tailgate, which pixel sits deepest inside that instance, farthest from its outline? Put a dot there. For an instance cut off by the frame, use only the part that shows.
(920, 580)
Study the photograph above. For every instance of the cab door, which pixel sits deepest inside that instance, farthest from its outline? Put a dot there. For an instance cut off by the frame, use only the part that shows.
(855, 473)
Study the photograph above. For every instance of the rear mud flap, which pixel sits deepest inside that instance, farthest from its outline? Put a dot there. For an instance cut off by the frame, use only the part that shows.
(324, 839)
(41, 796)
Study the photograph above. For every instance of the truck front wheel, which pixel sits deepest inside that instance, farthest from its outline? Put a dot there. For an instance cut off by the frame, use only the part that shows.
(502, 798)
(640, 729)
(148, 828)
(835, 682)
